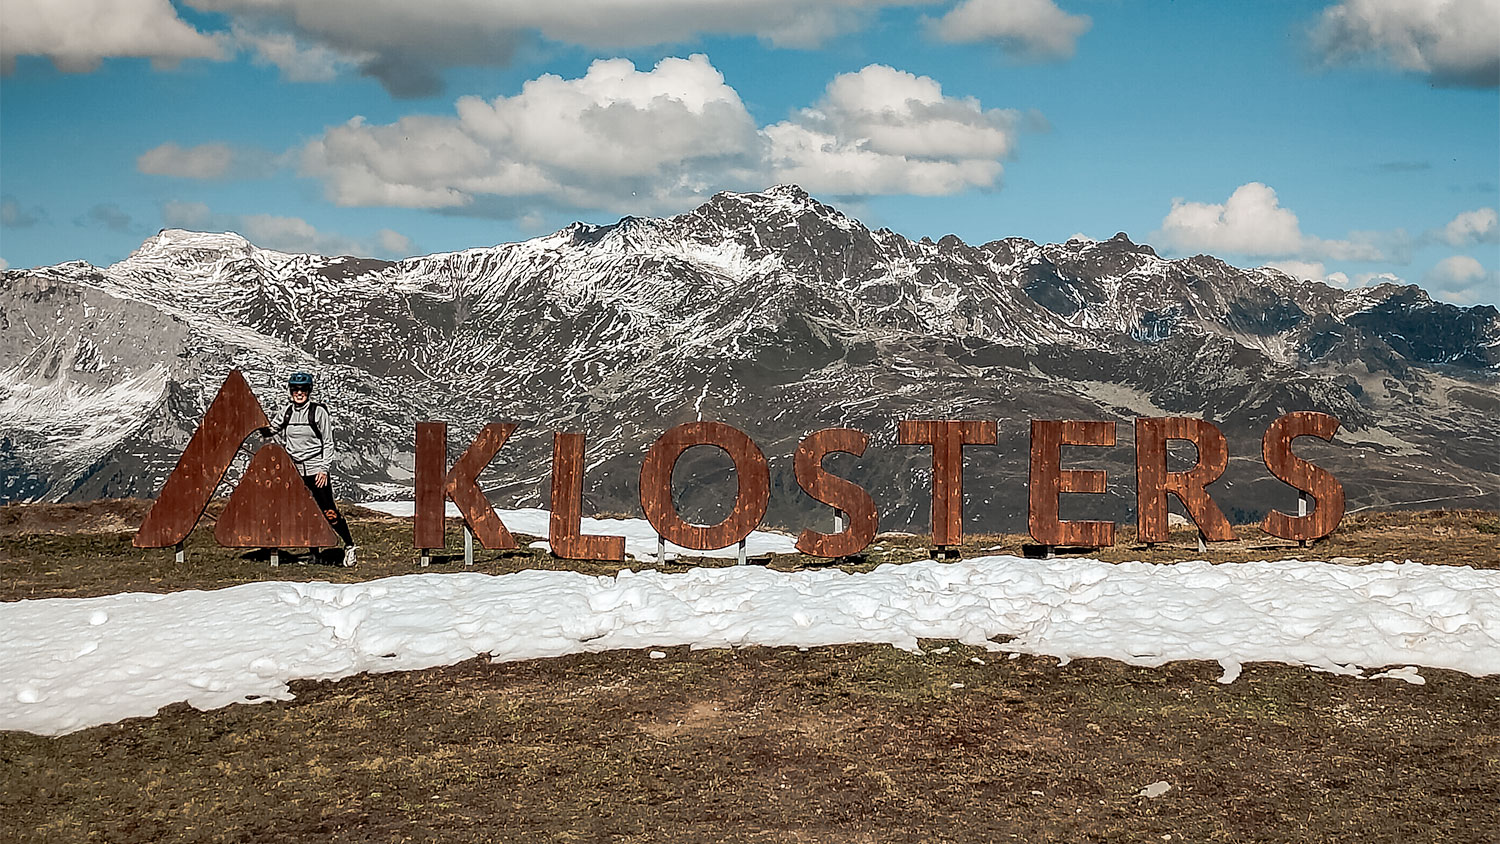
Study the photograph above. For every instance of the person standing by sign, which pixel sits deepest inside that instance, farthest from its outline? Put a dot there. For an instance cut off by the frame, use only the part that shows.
(306, 430)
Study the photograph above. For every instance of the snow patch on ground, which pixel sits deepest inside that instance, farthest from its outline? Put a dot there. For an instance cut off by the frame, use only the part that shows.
(640, 537)
(71, 663)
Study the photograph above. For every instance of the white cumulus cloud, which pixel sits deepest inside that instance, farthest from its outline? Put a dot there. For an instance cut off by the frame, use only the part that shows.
(204, 161)
(396, 24)
(284, 234)
(1462, 280)
(882, 130)
(1307, 270)
(1025, 29)
(1452, 42)
(1252, 222)
(662, 134)
(1478, 226)
(405, 45)
(620, 138)
(77, 34)
(393, 242)
(298, 60)
(15, 216)
(1316, 271)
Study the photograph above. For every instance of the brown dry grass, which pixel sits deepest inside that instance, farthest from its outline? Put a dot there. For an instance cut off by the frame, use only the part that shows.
(840, 744)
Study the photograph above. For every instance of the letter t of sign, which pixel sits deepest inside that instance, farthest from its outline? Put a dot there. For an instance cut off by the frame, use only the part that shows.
(947, 438)
(460, 484)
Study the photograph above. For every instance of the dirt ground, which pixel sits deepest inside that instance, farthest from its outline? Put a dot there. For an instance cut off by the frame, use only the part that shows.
(840, 744)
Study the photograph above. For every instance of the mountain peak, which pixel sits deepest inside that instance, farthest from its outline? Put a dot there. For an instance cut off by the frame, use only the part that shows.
(1122, 242)
(776, 207)
(784, 197)
(182, 245)
(788, 191)
(169, 241)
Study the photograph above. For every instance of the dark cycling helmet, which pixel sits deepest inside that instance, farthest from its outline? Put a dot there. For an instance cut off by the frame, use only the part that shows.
(300, 379)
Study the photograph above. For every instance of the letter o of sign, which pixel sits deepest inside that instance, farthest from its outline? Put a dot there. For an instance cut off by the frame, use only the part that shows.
(750, 470)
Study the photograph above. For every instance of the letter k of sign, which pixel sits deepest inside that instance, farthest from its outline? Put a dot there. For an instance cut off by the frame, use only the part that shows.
(270, 508)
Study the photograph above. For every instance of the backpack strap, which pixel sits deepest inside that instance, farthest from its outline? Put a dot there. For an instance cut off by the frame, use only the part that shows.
(312, 418)
(285, 418)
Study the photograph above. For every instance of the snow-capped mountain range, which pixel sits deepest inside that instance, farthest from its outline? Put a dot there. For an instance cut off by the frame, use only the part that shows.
(769, 311)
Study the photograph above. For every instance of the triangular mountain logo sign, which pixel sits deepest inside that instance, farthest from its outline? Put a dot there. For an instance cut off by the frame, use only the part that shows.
(270, 508)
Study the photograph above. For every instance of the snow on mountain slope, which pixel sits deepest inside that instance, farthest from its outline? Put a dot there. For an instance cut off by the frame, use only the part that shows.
(771, 311)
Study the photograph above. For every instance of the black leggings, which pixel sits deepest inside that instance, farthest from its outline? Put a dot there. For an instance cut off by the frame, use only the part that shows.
(324, 496)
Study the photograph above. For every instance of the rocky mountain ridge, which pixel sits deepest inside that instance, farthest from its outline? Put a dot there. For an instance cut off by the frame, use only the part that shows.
(770, 311)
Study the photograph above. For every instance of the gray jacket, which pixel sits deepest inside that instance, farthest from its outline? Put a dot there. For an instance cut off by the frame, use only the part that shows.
(311, 453)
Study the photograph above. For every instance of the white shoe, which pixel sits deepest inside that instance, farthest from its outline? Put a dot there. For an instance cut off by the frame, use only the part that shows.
(349, 556)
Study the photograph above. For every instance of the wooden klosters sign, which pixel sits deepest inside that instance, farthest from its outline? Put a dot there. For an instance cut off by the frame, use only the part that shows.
(272, 508)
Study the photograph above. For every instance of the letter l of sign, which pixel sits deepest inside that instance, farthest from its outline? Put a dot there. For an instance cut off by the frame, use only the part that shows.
(460, 484)
(564, 531)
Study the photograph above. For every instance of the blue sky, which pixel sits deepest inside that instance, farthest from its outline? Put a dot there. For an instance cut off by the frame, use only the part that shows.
(1352, 141)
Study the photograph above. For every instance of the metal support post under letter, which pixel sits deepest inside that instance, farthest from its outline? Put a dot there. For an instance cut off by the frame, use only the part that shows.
(740, 556)
(838, 521)
(1301, 512)
(1202, 548)
(181, 554)
(426, 557)
(468, 545)
(661, 550)
(275, 557)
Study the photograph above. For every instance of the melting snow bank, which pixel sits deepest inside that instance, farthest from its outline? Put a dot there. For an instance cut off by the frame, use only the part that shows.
(640, 536)
(70, 663)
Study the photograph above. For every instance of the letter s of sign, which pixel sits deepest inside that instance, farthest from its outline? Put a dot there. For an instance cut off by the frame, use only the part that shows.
(1327, 492)
(836, 492)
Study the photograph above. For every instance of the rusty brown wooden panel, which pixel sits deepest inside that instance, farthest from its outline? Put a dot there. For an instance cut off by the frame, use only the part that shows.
(564, 532)
(271, 507)
(750, 469)
(431, 475)
(836, 492)
(947, 438)
(1327, 492)
(462, 486)
(233, 415)
(1048, 480)
(1153, 481)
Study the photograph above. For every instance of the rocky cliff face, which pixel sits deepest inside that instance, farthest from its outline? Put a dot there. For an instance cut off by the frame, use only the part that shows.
(771, 312)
